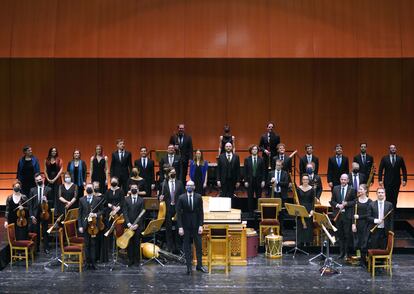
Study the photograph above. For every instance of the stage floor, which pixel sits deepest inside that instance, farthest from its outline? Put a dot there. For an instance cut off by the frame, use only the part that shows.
(261, 275)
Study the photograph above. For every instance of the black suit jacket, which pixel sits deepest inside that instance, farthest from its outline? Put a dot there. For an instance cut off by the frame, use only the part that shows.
(186, 148)
(304, 161)
(188, 218)
(85, 209)
(176, 164)
(146, 173)
(287, 163)
(350, 198)
(132, 211)
(228, 171)
(392, 175)
(364, 169)
(165, 190)
(318, 181)
(248, 169)
(373, 214)
(264, 144)
(119, 169)
(362, 179)
(283, 183)
(34, 205)
(335, 171)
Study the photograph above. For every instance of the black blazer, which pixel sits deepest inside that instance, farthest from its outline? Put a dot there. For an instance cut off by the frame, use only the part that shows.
(188, 218)
(85, 209)
(186, 148)
(287, 163)
(283, 183)
(318, 181)
(335, 172)
(119, 169)
(34, 204)
(364, 169)
(391, 173)
(362, 179)
(264, 144)
(146, 173)
(350, 198)
(165, 190)
(176, 164)
(228, 171)
(248, 169)
(304, 161)
(373, 214)
(132, 211)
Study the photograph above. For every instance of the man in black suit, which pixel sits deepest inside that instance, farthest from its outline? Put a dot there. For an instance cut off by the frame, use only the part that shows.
(254, 177)
(170, 160)
(337, 165)
(90, 206)
(282, 156)
(183, 145)
(308, 158)
(121, 164)
(133, 206)
(314, 180)
(42, 193)
(356, 178)
(268, 145)
(279, 185)
(377, 210)
(170, 189)
(392, 165)
(365, 161)
(145, 166)
(228, 172)
(190, 219)
(342, 202)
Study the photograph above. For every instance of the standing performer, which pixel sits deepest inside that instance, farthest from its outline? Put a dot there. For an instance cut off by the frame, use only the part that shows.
(99, 169)
(228, 172)
(337, 165)
(365, 161)
(53, 171)
(308, 158)
(199, 172)
(170, 160)
(377, 211)
(121, 164)
(27, 167)
(306, 197)
(77, 170)
(314, 180)
(67, 196)
(226, 138)
(286, 160)
(17, 213)
(254, 177)
(356, 178)
(183, 145)
(268, 144)
(145, 167)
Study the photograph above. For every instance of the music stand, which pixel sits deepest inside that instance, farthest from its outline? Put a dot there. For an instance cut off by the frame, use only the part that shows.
(152, 228)
(296, 211)
(320, 219)
(54, 261)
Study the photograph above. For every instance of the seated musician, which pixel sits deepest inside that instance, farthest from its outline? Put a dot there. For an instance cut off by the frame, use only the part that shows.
(89, 211)
(133, 206)
(380, 213)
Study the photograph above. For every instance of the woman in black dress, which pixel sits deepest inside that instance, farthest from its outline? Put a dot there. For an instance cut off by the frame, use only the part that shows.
(199, 172)
(226, 138)
(77, 170)
(137, 180)
(53, 171)
(13, 204)
(27, 167)
(360, 224)
(99, 169)
(306, 197)
(68, 195)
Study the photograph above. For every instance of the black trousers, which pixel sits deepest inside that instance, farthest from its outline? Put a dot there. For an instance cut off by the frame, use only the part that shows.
(191, 235)
(134, 247)
(391, 191)
(378, 239)
(184, 170)
(90, 248)
(35, 228)
(254, 189)
(227, 188)
(171, 235)
(344, 233)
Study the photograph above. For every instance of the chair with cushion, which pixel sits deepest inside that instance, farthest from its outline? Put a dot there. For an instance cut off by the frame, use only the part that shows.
(69, 251)
(384, 255)
(17, 247)
(71, 233)
(269, 220)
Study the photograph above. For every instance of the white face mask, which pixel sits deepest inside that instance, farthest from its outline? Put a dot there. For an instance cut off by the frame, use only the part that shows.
(68, 180)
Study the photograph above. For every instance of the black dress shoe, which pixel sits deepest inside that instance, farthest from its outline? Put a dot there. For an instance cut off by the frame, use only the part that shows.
(189, 271)
(341, 256)
(201, 269)
(47, 251)
(93, 267)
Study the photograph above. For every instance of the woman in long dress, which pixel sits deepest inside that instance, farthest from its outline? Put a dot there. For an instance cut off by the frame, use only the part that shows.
(306, 197)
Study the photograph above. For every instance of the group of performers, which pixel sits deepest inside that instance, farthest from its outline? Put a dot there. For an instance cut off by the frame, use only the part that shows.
(36, 193)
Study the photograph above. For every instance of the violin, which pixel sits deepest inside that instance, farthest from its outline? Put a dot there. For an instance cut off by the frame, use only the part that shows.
(101, 225)
(45, 211)
(93, 229)
(21, 218)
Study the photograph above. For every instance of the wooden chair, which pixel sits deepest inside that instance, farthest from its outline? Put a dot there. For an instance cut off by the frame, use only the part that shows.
(261, 201)
(72, 214)
(269, 213)
(25, 246)
(71, 234)
(69, 251)
(218, 237)
(382, 254)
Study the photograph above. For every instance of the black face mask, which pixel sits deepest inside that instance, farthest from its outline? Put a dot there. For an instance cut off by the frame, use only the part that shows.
(355, 170)
(134, 191)
(96, 190)
(114, 184)
(39, 183)
(89, 190)
(172, 176)
(16, 189)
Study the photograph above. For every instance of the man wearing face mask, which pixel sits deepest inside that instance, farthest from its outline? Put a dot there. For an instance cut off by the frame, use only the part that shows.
(132, 208)
(308, 158)
(356, 178)
(171, 188)
(42, 193)
(89, 207)
(190, 219)
(100, 238)
(314, 180)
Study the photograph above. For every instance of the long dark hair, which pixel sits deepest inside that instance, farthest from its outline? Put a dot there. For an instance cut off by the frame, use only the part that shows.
(49, 154)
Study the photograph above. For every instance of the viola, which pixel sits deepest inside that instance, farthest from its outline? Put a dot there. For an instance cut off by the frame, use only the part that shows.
(21, 218)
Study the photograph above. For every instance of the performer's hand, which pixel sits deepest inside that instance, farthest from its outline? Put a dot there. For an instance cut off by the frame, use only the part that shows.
(161, 197)
(205, 185)
(404, 183)
(6, 224)
(272, 180)
(21, 207)
(330, 184)
(377, 221)
(262, 184)
(181, 231)
(152, 186)
(34, 220)
(200, 230)
(218, 184)
(267, 152)
(44, 198)
(354, 229)
(81, 230)
(246, 184)
(134, 227)
(356, 216)
(380, 183)
(237, 185)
